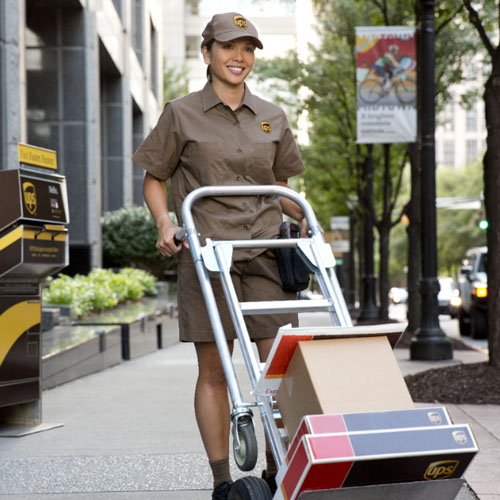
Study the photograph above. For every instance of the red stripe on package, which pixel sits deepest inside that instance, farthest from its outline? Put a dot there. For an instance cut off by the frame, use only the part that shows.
(283, 354)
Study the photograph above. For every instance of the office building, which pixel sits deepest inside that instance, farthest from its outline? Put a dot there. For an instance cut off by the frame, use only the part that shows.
(83, 78)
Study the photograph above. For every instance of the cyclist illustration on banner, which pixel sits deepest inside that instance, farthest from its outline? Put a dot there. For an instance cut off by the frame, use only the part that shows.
(386, 71)
(386, 78)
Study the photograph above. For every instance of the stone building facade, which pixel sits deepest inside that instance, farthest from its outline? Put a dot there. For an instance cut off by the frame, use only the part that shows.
(83, 78)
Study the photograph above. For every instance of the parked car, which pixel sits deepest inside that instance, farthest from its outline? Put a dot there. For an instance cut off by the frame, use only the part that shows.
(448, 296)
(472, 282)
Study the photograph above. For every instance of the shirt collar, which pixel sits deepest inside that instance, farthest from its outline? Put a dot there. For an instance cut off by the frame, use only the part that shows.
(210, 99)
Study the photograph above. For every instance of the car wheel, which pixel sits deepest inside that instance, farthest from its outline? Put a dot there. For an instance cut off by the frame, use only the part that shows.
(479, 324)
(463, 323)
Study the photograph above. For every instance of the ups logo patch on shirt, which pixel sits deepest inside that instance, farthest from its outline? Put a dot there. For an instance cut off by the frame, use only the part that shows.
(266, 127)
(241, 22)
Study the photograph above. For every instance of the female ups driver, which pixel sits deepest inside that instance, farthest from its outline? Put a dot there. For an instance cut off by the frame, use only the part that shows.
(223, 135)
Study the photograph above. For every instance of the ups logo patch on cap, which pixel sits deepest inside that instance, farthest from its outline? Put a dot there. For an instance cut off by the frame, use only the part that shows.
(240, 22)
(266, 127)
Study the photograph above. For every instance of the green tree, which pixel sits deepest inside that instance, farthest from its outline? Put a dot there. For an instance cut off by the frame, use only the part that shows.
(336, 164)
(485, 18)
(175, 82)
(457, 229)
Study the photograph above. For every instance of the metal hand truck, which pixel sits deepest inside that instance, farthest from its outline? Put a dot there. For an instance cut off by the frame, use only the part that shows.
(215, 257)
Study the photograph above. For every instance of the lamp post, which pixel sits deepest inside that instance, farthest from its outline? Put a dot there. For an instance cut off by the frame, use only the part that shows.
(430, 342)
(369, 308)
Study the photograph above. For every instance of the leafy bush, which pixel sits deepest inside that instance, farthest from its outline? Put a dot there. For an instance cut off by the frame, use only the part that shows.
(100, 289)
(129, 239)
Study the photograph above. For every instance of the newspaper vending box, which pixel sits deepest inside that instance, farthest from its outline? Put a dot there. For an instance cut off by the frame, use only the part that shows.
(33, 245)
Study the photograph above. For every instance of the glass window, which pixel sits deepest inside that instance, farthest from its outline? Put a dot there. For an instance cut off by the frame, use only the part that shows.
(471, 72)
(154, 59)
(136, 29)
(482, 263)
(118, 6)
(449, 153)
(449, 116)
(470, 151)
(471, 119)
(193, 47)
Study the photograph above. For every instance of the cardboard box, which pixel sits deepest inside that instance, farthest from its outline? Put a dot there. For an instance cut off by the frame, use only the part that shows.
(341, 376)
(288, 337)
(331, 461)
(368, 421)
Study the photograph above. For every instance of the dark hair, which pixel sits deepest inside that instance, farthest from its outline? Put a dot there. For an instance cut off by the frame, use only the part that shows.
(208, 45)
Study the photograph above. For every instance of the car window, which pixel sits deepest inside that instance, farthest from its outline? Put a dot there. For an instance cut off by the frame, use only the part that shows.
(481, 268)
(446, 285)
(472, 260)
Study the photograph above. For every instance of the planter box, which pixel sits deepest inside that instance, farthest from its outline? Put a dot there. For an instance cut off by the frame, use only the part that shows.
(78, 351)
(141, 324)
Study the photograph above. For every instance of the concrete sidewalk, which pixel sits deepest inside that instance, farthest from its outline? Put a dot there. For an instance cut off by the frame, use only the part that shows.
(129, 433)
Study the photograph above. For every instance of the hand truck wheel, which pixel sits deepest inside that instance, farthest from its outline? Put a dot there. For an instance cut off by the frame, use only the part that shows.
(245, 447)
(250, 488)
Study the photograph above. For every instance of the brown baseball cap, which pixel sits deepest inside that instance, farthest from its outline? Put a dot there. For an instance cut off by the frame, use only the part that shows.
(229, 26)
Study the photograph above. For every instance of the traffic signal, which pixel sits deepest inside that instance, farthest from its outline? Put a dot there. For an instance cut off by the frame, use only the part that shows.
(483, 224)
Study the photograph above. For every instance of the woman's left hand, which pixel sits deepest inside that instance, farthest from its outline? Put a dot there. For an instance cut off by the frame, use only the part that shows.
(304, 228)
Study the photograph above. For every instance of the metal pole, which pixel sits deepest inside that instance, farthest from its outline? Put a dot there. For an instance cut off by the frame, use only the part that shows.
(351, 271)
(369, 308)
(430, 342)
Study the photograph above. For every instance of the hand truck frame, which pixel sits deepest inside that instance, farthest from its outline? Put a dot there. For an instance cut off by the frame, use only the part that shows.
(215, 257)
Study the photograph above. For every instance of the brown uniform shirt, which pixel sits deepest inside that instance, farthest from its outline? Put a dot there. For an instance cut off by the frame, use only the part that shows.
(200, 141)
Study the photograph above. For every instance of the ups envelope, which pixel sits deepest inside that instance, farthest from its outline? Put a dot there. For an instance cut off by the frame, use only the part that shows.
(340, 460)
(369, 421)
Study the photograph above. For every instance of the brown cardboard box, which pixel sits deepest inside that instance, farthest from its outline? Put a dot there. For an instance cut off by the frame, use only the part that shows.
(340, 376)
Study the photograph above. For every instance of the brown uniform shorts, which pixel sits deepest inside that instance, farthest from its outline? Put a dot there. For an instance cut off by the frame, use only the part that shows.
(254, 280)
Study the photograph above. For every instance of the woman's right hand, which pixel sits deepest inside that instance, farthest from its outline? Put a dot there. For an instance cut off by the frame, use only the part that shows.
(165, 242)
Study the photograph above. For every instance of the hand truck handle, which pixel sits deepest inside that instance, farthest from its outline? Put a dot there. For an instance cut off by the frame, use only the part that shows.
(210, 191)
(179, 236)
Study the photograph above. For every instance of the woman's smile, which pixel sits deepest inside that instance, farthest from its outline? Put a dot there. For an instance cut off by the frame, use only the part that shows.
(235, 69)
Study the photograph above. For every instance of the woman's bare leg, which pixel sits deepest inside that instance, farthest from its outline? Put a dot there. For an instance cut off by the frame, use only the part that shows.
(211, 402)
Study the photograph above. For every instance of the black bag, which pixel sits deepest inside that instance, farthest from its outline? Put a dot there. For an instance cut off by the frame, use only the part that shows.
(293, 270)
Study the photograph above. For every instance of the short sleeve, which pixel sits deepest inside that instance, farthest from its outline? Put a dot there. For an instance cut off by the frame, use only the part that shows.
(160, 152)
(288, 161)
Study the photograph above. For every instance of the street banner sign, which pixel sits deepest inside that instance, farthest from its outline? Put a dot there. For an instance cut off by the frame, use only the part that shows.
(386, 84)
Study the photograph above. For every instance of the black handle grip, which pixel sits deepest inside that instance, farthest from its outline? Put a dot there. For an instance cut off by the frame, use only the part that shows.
(179, 236)
(289, 230)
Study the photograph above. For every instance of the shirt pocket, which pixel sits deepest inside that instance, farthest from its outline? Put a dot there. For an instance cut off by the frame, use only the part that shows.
(260, 162)
(212, 163)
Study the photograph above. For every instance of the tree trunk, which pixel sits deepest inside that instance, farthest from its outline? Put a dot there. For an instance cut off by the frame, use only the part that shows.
(414, 244)
(360, 245)
(350, 266)
(383, 311)
(492, 205)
